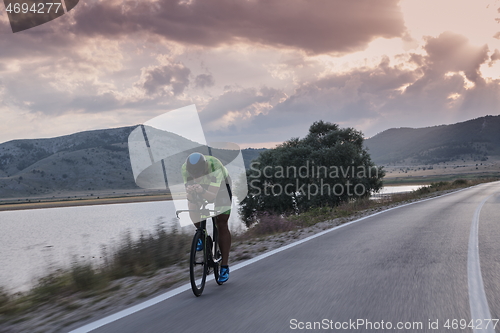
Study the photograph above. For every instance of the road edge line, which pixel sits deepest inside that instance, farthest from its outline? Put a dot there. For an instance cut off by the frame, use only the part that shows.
(478, 301)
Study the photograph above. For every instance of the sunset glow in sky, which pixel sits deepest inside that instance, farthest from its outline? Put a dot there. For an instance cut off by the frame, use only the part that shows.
(259, 72)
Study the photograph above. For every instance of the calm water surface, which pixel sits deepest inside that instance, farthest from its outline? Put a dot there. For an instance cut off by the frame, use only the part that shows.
(35, 242)
(399, 189)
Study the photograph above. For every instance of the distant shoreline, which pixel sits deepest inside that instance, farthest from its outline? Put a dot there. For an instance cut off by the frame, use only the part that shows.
(39, 203)
(107, 198)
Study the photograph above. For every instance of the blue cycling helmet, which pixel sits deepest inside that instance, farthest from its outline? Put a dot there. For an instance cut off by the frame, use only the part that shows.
(196, 165)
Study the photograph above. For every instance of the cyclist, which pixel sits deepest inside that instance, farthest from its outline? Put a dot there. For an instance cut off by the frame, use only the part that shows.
(203, 177)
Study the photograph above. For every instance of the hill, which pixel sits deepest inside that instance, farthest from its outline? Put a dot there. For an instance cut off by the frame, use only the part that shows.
(477, 139)
(85, 163)
(251, 154)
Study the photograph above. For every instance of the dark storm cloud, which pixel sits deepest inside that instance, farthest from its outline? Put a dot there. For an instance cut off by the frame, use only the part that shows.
(204, 81)
(175, 76)
(316, 26)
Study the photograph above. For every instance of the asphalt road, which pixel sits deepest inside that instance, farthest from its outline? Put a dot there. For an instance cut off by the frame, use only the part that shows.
(407, 265)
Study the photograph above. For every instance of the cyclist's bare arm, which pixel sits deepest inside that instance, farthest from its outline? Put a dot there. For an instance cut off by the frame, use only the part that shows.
(210, 194)
(193, 213)
(194, 197)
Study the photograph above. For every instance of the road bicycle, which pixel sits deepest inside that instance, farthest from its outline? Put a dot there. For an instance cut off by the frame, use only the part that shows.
(201, 263)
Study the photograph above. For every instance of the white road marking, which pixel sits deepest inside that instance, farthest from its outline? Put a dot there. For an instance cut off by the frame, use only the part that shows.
(119, 315)
(479, 309)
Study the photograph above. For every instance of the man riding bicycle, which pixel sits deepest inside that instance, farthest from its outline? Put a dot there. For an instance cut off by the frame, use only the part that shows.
(207, 179)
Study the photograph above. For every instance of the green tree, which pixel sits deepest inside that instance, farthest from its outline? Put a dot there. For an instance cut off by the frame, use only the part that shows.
(327, 167)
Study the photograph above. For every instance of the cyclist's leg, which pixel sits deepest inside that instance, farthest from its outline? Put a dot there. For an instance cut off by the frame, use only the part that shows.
(224, 236)
(223, 204)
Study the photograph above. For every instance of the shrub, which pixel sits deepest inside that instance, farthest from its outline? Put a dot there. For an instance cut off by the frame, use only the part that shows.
(4, 297)
(438, 185)
(460, 182)
(286, 180)
(56, 283)
(84, 276)
(150, 252)
(268, 224)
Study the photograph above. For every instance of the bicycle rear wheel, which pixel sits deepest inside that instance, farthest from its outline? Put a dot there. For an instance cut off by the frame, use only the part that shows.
(198, 265)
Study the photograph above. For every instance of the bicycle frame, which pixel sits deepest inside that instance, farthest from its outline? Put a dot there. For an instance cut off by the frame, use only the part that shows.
(202, 225)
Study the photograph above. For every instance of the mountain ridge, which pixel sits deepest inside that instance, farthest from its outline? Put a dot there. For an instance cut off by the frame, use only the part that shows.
(475, 139)
(82, 163)
(98, 160)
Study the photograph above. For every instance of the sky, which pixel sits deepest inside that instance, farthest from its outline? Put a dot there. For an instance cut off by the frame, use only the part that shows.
(259, 71)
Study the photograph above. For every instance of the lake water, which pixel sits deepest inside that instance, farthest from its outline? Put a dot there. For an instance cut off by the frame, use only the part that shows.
(388, 190)
(34, 242)
(399, 189)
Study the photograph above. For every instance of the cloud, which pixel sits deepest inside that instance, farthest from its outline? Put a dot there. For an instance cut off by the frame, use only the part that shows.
(321, 26)
(204, 81)
(49, 39)
(448, 88)
(345, 98)
(103, 56)
(243, 102)
(494, 57)
(443, 85)
(341, 98)
(451, 52)
(155, 79)
(137, 58)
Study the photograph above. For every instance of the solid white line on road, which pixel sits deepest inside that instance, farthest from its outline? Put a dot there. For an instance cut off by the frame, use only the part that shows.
(479, 309)
(109, 319)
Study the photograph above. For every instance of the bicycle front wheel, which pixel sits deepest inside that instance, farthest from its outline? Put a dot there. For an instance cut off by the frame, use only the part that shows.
(198, 265)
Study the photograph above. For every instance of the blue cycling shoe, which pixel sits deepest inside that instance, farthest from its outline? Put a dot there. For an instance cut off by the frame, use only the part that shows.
(224, 274)
(199, 245)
